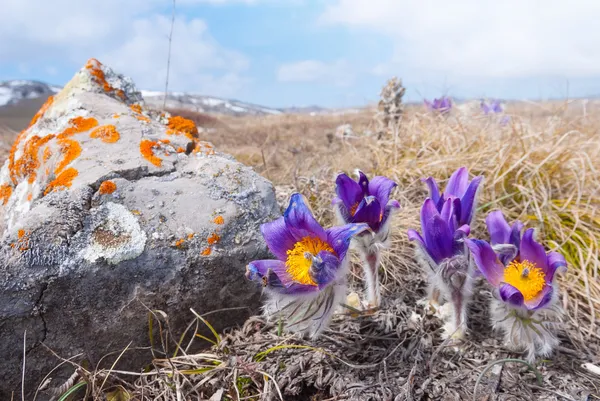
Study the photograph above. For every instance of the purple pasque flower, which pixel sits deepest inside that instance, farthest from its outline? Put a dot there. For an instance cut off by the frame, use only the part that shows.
(308, 256)
(494, 107)
(458, 188)
(527, 280)
(442, 252)
(442, 238)
(365, 201)
(307, 280)
(441, 105)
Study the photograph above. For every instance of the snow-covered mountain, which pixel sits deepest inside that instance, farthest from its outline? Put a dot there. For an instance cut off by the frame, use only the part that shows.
(206, 104)
(12, 92)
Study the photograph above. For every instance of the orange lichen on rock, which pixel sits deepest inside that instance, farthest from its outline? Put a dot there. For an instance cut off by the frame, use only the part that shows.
(47, 154)
(22, 240)
(78, 125)
(179, 125)
(107, 187)
(28, 163)
(116, 115)
(142, 118)
(213, 239)
(204, 148)
(179, 243)
(107, 133)
(219, 220)
(5, 193)
(121, 94)
(206, 252)
(146, 148)
(63, 181)
(137, 108)
(42, 111)
(180, 150)
(190, 236)
(95, 69)
(71, 150)
(29, 197)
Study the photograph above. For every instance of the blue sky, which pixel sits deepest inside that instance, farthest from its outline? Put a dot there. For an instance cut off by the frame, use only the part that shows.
(335, 53)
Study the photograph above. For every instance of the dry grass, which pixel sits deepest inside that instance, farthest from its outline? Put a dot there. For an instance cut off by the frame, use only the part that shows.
(542, 168)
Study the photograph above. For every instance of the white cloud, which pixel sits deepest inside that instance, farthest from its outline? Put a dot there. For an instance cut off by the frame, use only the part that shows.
(510, 38)
(198, 62)
(338, 72)
(129, 36)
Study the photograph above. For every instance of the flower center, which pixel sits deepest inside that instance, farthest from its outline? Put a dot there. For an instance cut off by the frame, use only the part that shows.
(299, 259)
(526, 277)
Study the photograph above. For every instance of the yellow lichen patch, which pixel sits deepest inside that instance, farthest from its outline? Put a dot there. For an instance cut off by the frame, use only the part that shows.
(206, 252)
(107, 187)
(63, 181)
(179, 125)
(213, 239)
(71, 150)
(116, 115)
(219, 220)
(526, 277)
(299, 259)
(107, 133)
(28, 163)
(146, 149)
(42, 111)
(5, 193)
(136, 108)
(136, 212)
(78, 125)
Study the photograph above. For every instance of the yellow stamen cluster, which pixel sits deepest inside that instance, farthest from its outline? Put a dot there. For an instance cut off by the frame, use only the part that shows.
(526, 277)
(299, 259)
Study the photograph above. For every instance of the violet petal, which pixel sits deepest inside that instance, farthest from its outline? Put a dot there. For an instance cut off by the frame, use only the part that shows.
(381, 187)
(278, 237)
(498, 228)
(468, 201)
(511, 295)
(457, 184)
(300, 220)
(486, 260)
(533, 252)
(348, 190)
(339, 237)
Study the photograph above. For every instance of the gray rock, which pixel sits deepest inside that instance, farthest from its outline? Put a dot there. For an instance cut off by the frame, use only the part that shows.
(96, 232)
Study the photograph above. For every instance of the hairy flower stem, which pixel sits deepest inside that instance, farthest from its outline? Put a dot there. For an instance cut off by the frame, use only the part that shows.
(371, 266)
(458, 285)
